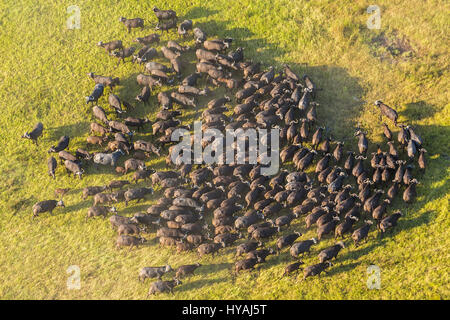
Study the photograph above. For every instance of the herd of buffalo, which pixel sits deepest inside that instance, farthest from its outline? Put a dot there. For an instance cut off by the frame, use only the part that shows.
(210, 207)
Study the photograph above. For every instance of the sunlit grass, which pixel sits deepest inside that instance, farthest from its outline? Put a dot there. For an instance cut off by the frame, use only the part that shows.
(43, 78)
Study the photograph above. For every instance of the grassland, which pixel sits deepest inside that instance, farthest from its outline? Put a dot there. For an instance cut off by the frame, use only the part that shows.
(43, 70)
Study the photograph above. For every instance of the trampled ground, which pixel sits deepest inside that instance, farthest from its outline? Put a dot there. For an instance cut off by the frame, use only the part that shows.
(43, 78)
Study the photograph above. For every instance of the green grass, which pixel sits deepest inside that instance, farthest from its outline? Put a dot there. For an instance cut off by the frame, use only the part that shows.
(43, 78)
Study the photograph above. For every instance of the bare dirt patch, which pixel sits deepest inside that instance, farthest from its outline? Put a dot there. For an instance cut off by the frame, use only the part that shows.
(392, 46)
